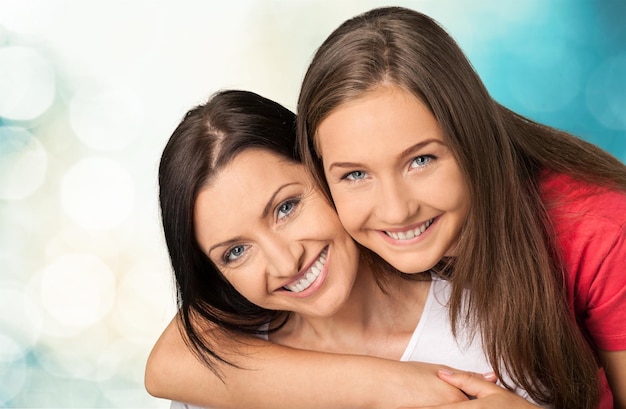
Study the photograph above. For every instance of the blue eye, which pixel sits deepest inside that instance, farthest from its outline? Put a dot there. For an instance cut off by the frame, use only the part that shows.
(286, 208)
(421, 161)
(234, 253)
(356, 175)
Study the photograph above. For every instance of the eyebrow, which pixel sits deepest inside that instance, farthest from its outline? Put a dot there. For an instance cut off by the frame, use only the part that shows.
(404, 153)
(268, 206)
(223, 243)
(266, 211)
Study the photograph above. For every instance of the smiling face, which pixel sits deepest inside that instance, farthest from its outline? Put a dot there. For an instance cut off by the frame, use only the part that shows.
(274, 237)
(396, 186)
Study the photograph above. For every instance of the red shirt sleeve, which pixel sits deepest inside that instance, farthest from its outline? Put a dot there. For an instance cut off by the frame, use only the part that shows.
(606, 298)
(590, 227)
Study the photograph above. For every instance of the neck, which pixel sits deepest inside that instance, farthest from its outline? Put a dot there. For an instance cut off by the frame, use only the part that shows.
(372, 321)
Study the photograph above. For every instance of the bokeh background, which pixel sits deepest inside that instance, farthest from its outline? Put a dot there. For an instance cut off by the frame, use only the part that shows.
(91, 90)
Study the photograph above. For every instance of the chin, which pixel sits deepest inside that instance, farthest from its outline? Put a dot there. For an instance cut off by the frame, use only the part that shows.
(411, 267)
(416, 270)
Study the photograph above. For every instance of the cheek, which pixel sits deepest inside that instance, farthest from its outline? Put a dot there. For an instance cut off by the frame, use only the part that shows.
(447, 191)
(248, 280)
(330, 222)
(459, 195)
(321, 222)
(352, 222)
(239, 285)
(349, 208)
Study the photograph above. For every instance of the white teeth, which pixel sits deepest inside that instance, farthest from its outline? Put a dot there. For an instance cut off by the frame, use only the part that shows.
(409, 234)
(310, 276)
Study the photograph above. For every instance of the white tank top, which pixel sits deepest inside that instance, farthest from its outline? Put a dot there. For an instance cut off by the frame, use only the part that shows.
(433, 342)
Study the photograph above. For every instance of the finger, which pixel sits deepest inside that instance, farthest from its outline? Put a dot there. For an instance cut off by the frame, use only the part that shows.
(472, 384)
(458, 405)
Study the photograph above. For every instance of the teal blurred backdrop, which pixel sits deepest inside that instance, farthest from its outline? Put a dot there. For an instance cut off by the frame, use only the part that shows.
(91, 90)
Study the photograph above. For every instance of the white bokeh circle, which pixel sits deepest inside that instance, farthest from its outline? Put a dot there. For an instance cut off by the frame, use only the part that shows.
(97, 193)
(4, 36)
(23, 163)
(106, 119)
(77, 290)
(27, 83)
(123, 360)
(145, 301)
(28, 17)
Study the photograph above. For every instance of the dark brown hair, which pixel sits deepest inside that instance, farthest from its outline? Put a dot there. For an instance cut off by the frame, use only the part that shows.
(506, 254)
(207, 139)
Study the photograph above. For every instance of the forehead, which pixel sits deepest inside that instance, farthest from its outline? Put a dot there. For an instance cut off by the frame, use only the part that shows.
(386, 113)
(255, 174)
(239, 193)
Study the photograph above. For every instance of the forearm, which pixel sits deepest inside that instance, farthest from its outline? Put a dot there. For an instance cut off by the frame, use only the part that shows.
(173, 372)
(280, 377)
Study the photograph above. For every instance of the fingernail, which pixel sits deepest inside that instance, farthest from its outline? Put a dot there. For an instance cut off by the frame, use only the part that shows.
(489, 375)
(446, 372)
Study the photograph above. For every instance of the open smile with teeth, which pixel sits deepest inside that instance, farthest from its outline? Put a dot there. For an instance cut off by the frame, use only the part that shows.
(310, 276)
(410, 234)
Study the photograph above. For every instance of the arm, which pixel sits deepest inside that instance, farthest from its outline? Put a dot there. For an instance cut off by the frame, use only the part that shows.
(614, 364)
(280, 377)
(488, 394)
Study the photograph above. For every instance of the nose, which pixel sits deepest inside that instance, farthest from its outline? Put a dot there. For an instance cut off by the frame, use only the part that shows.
(284, 256)
(395, 201)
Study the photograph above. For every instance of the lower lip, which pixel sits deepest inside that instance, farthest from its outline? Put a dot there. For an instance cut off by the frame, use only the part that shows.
(316, 284)
(414, 240)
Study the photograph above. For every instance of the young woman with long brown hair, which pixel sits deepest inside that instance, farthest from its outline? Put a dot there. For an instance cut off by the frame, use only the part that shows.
(387, 104)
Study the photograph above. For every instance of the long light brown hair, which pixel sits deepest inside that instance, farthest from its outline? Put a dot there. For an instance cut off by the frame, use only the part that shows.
(506, 255)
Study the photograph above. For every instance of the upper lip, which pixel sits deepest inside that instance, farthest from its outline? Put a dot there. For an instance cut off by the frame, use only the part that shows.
(409, 227)
(303, 271)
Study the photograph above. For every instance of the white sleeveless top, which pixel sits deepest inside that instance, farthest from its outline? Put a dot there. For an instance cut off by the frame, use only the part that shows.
(433, 342)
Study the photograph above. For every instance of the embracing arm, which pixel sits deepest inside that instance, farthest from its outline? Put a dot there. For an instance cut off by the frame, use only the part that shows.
(281, 377)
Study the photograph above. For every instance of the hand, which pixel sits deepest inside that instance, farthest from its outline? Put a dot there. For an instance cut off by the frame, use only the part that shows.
(413, 384)
(420, 385)
(488, 395)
